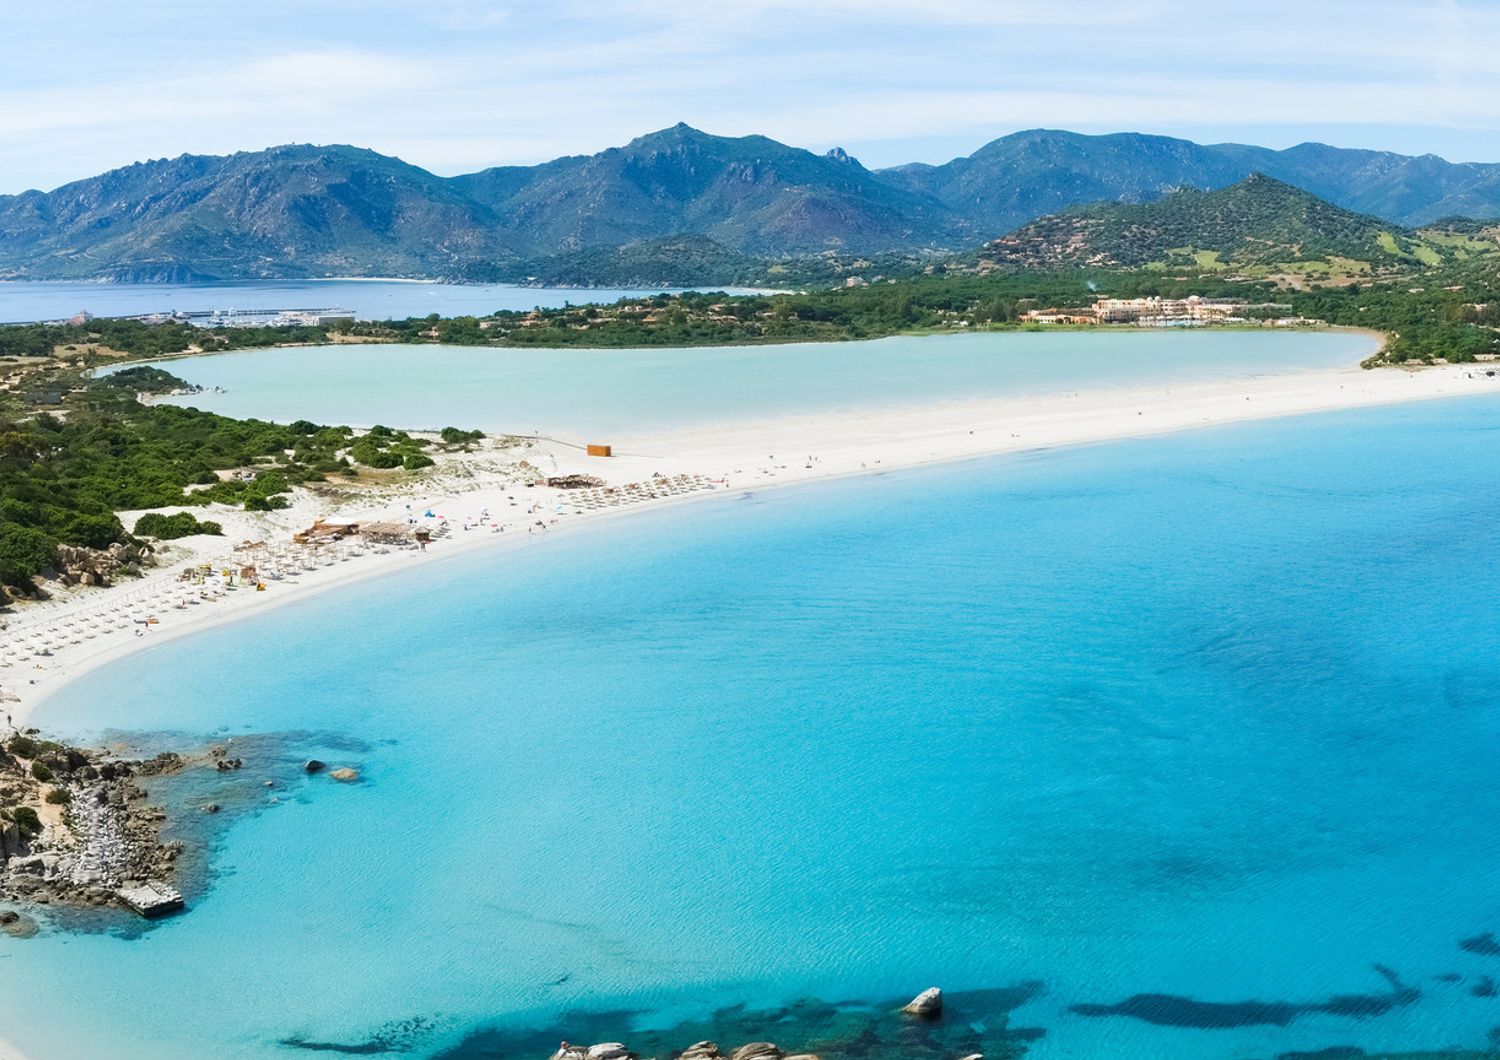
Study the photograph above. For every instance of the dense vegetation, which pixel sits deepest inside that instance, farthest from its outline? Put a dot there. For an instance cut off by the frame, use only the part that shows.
(140, 339)
(63, 477)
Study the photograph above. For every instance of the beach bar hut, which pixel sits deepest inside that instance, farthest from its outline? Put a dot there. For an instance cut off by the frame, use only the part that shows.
(595, 449)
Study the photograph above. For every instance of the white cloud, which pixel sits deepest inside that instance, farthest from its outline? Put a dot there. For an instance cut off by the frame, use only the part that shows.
(459, 84)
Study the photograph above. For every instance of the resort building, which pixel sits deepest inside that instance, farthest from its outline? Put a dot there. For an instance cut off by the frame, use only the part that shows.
(1193, 311)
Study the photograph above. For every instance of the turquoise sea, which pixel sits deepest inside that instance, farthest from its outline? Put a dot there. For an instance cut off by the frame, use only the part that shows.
(586, 392)
(1175, 747)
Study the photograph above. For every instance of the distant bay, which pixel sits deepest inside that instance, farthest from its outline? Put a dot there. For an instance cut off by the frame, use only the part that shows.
(368, 299)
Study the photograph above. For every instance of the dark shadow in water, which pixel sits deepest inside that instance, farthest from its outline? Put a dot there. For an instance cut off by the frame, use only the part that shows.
(974, 1021)
(1485, 945)
(1333, 1052)
(397, 1037)
(1170, 1010)
(1484, 988)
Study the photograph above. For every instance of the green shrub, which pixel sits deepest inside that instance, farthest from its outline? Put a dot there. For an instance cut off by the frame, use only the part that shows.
(41, 772)
(416, 461)
(257, 503)
(383, 460)
(59, 796)
(454, 436)
(23, 746)
(170, 527)
(24, 551)
(28, 823)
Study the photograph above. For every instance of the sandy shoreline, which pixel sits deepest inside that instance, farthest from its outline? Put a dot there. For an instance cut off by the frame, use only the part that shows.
(751, 455)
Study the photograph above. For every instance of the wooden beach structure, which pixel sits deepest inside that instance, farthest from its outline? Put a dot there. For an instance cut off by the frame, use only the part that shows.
(595, 449)
(386, 533)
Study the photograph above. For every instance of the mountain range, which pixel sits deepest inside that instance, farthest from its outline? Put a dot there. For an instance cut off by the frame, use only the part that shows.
(668, 203)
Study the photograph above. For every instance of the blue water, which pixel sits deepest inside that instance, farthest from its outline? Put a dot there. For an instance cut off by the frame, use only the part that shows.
(588, 392)
(368, 299)
(1214, 715)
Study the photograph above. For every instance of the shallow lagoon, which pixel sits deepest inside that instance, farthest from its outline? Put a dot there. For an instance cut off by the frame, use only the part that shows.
(587, 392)
(1210, 716)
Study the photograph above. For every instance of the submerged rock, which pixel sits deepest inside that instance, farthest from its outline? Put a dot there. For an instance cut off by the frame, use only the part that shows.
(928, 1004)
(17, 926)
(345, 775)
(314, 766)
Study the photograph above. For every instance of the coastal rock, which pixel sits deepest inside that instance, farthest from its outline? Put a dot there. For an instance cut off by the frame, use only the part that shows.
(345, 775)
(17, 926)
(608, 1051)
(212, 807)
(31, 865)
(974, 1056)
(757, 1051)
(701, 1051)
(77, 565)
(928, 1004)
(314, 766)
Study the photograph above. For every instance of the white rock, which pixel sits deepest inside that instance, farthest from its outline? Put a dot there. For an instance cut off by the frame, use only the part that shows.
(928, 1003)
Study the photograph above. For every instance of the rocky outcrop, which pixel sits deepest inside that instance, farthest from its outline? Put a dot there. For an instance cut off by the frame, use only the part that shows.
(345, 775)
(109, 838)
(77, 565)
(928, 1004)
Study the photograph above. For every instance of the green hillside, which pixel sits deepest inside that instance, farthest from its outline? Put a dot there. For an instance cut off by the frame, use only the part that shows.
(1257, 222)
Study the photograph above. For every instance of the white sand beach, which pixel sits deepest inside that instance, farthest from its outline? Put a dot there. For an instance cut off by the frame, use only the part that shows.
(482, 500)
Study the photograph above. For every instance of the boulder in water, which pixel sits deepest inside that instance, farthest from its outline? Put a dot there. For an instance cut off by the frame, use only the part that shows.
(928, 1004)
(346, 774)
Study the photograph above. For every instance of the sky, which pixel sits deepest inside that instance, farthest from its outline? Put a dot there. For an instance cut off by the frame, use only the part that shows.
(458, 85)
